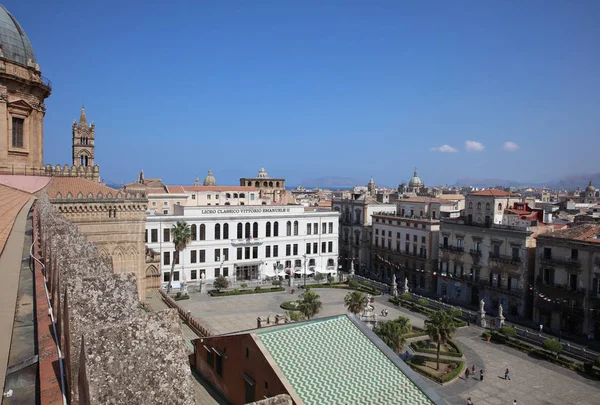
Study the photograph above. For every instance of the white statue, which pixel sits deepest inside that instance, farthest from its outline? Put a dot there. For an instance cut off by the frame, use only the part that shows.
(481, 305)
(351, 266)
(394, 280)
(405, 284)
(500, 310)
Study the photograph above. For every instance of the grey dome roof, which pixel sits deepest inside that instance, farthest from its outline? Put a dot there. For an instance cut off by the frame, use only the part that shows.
(590, 187)
(415, 181)
(209, 180)
(14, 43)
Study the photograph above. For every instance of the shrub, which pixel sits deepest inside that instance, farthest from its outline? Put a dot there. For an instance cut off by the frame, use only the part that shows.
(423, 302)
(276, 283)
(319, 277)
(508, 331)
(588, 368)
(244, 285)
(455, 312)
(257, 289)
(330, 279)
(419, 360)
(553, 346)
(406, 297)
(367, 283)
(353, 284)
(220, 283)
(294, 316)
(289, 305)
(180, 297)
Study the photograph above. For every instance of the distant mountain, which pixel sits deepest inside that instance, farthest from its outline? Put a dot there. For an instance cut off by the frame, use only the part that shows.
(330, 182)
(569, 182)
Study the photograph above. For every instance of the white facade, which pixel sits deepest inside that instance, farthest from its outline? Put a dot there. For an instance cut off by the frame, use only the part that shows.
(247, 243)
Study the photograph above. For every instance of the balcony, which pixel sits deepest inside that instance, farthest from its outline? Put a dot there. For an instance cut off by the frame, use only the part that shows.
(506, 259)
(451, 249)
(247, 242)
(555, 290)
(565, 261)
(475, 253)
(505, 289)
(402, 252)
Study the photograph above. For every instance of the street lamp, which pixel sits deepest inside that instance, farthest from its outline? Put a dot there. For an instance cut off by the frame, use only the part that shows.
(305, 270)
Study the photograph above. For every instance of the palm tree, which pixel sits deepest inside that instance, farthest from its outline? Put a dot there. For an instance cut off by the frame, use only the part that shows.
(309, 304)
(392, 333)
(182, 235)
(440, 327)
(355, 301)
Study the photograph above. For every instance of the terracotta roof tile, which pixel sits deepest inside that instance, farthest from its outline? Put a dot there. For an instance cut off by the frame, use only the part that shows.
(75, 185)
(175, 189)
(582, 232)
(424, 200)
(219, 188)
(494, 192)
(29, 184)
(11, 202)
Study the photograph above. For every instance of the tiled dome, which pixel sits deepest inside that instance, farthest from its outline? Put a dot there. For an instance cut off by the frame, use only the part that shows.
(14, 43)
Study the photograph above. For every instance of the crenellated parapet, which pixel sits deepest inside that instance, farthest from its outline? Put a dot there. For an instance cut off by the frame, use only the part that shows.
(86, 172)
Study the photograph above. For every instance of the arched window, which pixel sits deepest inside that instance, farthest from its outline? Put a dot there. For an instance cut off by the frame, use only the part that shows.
(270, 184)
(330, 263)
(202, 232)
(240, 230)
(275, 228)
(217, 231)
(268, 230)
(288, 228)
(225, 231)
(470, 204)
(487, 206)
(478, 205)
(277, 184)
(247, 230)
(242, 195)
(249, 184)
(235, 195)
(500, 207)
(194, 230)
(255, 230)
(227, 195)
(264, 184)
(256, 184)
(295, 227)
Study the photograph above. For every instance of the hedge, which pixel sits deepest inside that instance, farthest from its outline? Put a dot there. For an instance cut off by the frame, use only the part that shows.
(457, 353)
(443, 379)
(242, 292)
(343, 286)
(414, 306)
(289, 306)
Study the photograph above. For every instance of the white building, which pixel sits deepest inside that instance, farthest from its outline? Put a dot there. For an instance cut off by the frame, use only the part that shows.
(247, 243)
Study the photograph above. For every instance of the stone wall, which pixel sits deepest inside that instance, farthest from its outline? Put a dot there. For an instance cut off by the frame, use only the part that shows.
(114, 351)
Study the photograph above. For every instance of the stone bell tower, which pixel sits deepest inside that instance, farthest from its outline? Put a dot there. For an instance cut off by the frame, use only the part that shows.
(83, 141)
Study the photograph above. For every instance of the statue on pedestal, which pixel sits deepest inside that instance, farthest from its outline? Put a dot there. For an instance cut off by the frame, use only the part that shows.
(352, 266)
(481, 306)
(405, 288)
(394, 286)
(481, 314)
(500, 316)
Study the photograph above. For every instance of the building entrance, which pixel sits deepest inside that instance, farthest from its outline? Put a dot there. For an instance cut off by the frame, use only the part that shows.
(249, 272)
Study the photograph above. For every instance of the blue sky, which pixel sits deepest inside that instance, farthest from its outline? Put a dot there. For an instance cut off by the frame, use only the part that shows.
(312, 88)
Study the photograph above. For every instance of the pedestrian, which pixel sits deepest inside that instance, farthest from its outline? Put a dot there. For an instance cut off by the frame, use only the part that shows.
(507, 375)
(406, 355)
(541, 328)
(382, 312)
(515, 402)
(473, 369)
(467, 373)
(469, 402)
(386, 312)
(481, 375)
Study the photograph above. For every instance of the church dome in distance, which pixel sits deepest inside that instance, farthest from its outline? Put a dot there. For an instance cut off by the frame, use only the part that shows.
(590, 187)
(209, 180)
(14, 44)
(415, 181)
(262, 173)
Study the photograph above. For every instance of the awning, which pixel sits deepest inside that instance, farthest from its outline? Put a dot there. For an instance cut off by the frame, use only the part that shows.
(301, 271)
(281, 274)
(325, 271)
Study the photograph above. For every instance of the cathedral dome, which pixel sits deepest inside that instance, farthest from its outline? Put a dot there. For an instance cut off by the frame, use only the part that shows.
(415, 181)
(209, 180)
(590, 188)
(14, 44)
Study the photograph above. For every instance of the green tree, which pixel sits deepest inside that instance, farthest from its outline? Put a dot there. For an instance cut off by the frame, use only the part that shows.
(355, 302)
(220, 283)
(330, 279)
(294, 316)
(455, 312)
(182, 235)
(392, 333)
(423, 302)
(319, 277)
(309, 304)
(406, 296)
(553, 346)
(440, 327)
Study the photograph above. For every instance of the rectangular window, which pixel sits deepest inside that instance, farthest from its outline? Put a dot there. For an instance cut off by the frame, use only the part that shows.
(193, 196)
(267, 251)
(275, 251)
(376, 241)
(175, 276)
(547, 253)
(154, 235)
(308, 229)
(167, 258)
(225, 271)
(17, 132)
(225, 254)
(376, 231)
(166, 277)
(295, 249)
(316, 228)
(217, 272)
(210, 358)
(323, 228)
(574, 254)
(193, 256)
(308, 248)
(415, 238)
(515, 253)
(239, 253)
(330, 247)
(573, 282)
(288, 250)
(220, 365)
(255, 252)
(423, 240)
(194, 274)
(331, 227)
(496, 250)
(217, 255)
(459, 243)
(247, 252)
(146, 236)
(250, 394)
(202, 256)
(323, 247)
(166, 235)
(208, 197)
(165, 212)
(315, 248)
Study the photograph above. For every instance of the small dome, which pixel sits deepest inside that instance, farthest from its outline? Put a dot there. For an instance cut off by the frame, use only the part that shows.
(415, 181)
(262, 173)
(590, 187)
(209, 180)
(14, 44)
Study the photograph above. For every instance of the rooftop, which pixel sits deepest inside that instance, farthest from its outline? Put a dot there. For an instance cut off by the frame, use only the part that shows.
(583, 232)
(60, 187)
(494, 193)
(426, 200)
(11, 202)
(346, 367)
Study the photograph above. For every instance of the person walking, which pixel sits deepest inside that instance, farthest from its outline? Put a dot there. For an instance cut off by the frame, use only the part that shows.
(481, 375)
(507, 375)
(473, 369)
(469, 402)
(515, 402)
(467, 373)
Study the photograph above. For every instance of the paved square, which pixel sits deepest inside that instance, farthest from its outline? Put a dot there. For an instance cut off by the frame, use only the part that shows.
(533, 381)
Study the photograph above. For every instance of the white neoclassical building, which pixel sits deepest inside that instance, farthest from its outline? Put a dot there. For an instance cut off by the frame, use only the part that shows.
(247, 242)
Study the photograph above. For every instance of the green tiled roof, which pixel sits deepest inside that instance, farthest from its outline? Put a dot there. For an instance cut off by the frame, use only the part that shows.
(331, 362)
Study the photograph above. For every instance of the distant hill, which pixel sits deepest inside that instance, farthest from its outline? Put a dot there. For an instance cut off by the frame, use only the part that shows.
(569, 182)
(330, 182)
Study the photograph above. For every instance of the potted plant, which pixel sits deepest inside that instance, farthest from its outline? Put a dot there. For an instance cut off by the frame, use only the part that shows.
(487, 335)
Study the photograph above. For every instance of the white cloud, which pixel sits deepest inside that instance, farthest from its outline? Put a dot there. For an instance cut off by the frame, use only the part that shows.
(510, 146)
(473, 146)
(444, 149)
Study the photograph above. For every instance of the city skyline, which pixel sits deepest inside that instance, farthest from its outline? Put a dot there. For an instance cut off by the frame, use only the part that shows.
(312, 90)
